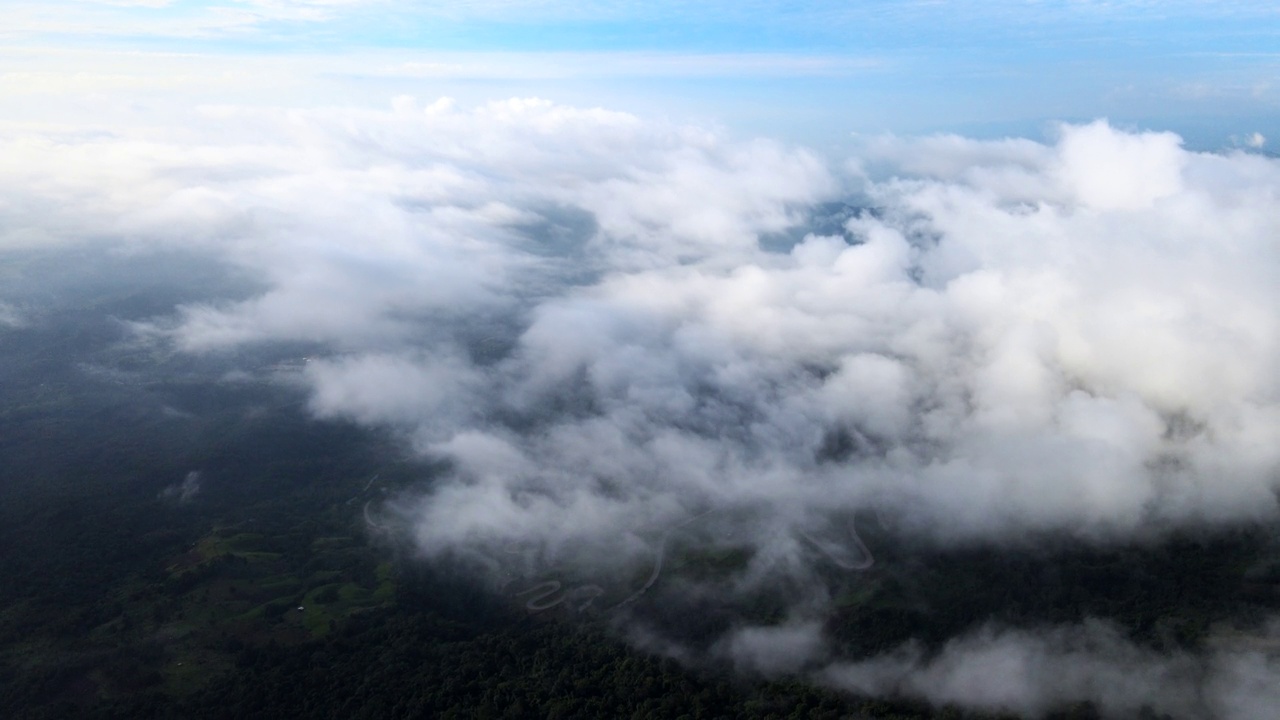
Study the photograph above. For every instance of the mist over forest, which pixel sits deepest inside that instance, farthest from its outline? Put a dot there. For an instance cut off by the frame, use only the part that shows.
(944, 428)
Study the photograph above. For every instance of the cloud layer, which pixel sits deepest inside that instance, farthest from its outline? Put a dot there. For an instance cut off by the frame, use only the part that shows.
(607, 328)
(621, 321)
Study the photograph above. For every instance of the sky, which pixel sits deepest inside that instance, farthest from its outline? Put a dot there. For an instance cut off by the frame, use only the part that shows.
(812, 72)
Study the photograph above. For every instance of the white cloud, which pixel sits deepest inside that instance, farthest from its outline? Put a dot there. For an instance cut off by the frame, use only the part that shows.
(1032, 673)
(776, 650)
(1111, 170)
(1075, 336)
(392, 389)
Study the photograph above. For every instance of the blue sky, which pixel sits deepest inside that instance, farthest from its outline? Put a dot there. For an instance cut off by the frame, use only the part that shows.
(811, 71)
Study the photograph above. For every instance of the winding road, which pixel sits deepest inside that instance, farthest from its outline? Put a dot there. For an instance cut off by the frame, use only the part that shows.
(835, 551)
(662, 555)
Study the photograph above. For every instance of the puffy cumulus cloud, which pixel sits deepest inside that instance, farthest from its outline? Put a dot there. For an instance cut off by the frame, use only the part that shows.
(1109, 342)
(1034, 673)
(1000, 336)
(1109, 170)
